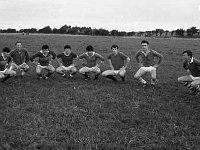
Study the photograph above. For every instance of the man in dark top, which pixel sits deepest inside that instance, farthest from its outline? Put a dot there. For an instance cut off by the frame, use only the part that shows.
(45, 56)
(65, 61)
(147, 63)
(192, 66)
(20, 59)
(92, 65)
(118, 63)
(5, 61)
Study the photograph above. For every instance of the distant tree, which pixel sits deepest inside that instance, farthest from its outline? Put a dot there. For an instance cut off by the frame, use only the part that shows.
(166, 32)
(74, 30)
(191, 31)
(131, 33)
(148, 33)
(172, 33)
(114, 32)
(180, 32)
(9, 30)
(122, 33)
(64, 29)
(55, 30)
(46, 29)
(86, 31)
(103, 32)
(33, 30)
(159, 31)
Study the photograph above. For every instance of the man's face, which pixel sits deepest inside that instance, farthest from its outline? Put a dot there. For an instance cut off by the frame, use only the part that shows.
(115, 50)
(19, 46)
(145, 46)
(185, 56)
(90, 53)
(6, 54)
(67, 50)
(45, 52)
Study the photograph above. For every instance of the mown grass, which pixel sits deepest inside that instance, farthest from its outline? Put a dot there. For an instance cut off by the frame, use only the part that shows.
(75, 114)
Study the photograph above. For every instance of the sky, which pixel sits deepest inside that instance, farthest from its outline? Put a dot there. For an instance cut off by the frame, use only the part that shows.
(122, 15)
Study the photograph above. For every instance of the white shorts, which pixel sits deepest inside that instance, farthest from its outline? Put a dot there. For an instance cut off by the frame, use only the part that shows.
(148, 69)
(194, 78)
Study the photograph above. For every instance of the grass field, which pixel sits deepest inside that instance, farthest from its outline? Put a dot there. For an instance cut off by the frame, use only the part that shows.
(76, 114)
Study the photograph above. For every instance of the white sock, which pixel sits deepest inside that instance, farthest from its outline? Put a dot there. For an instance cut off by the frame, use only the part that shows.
(142, 80)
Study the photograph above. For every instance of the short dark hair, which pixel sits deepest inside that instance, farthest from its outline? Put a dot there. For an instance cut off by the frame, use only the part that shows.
(189, 53)
(89, 48)
(144, 41)
(6, 49)
(18, 42)
(45, 47)
(67, 47)
(115, 46)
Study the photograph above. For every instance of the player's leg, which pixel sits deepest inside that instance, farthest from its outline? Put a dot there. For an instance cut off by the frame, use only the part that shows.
(84, 71)
(73, 70)
(7, 74)
(61, 70)
(2, 76)
(122, 73)
(195, 84)
(24, 68)
(39, 71)
(14, 67)
(110, 74)
(138, 75)
(97, 72)
(152, 71)
(50, 69)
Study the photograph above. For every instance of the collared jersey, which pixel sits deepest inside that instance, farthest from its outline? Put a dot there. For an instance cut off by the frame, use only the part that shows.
(19, 56)
(44, 60)
(148, 60)
(91, 60)
(117, 60)
(67, 60)
(4, 62)
(193, 66)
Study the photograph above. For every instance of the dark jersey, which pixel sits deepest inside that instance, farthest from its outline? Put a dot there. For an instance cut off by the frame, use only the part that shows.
(4, 62)
(44, 60)
(67, 60)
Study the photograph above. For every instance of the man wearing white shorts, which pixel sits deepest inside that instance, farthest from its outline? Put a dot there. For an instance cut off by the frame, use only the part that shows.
(20, 59)
(45, 56)
(66, 64)
(92, 64)
(145, 59)
(5, 60)
(118, 63)
(192, 65)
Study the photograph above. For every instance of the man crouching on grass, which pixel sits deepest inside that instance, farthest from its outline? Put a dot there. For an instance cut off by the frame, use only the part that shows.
(192, 65)
(45, 56)
(20, 59)
(118, 63)
(65, 61)
(5, 60)
(92, 65)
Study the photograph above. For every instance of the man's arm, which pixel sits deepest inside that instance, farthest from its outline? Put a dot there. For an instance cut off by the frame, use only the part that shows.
(26, 57)
(159, 56)
(110, 64)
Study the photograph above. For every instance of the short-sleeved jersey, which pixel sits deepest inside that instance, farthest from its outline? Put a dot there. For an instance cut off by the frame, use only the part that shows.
(4, 62)
(19, 56)
(148, 60)
(44, 60)
(193, 66)
(117, 60)
(67, 60)
(91, 60)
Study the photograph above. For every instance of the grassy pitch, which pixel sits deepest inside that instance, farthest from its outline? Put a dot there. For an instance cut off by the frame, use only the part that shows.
(75, 114)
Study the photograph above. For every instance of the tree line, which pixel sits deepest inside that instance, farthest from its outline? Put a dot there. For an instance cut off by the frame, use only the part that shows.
(191, 32)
